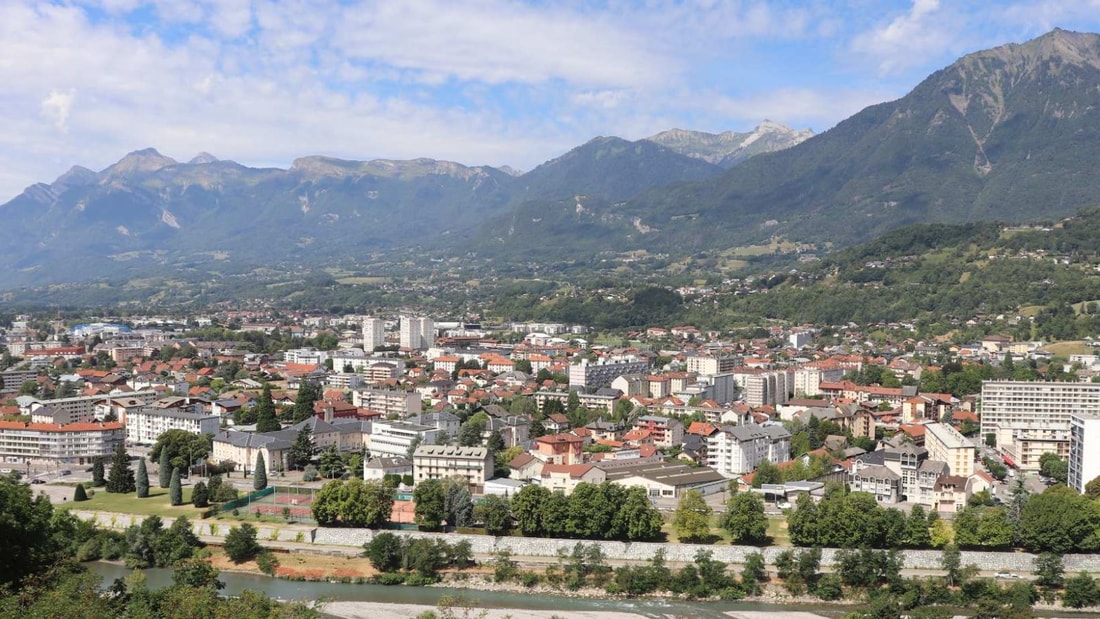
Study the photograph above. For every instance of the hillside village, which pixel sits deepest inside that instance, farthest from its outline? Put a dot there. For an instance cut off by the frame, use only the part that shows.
(505, 406)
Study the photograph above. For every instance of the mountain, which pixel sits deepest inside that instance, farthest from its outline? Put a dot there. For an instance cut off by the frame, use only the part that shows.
(1010, 134)
(729, 148)
(150, 213)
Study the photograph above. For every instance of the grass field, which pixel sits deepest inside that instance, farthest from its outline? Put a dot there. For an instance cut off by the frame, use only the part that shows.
(777, 530)
(1065, 349)
(156, 504)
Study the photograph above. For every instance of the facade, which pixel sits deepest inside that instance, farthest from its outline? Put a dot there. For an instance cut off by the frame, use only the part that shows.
(664, 480)
(560, 449)
(417, 332)
(1084, 449)
(376, 469)
(564, 478)
(707, 364)
(736, 450)
(396, 438)
(242, 448)
(145, 424)
(665, 431)
(387, 401)
(808, 379)
(82, 409)
(374, 333)
(1029, 419)
(586, 375)
(763, 387)
(78, 443)
(473, 464)
(945, 444)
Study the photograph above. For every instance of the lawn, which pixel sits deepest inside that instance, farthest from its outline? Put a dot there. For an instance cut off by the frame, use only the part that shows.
(777, 530)
(155, 504)
(1065, 349)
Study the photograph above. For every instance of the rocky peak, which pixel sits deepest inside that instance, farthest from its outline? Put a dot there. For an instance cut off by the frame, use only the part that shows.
(203, 157)
(77, 176)
(137, 162)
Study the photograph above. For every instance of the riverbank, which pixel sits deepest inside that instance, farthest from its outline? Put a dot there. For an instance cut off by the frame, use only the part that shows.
(378, 610)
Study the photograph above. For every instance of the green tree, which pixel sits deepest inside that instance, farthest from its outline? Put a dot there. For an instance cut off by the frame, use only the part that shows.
(528, 507)
(458, 504)
(302, 451)
(1049, 572)
(692, 518)
(495, 512)
(385, 551)
(240, 543)
(184, 448)
(97, 472)
(200, 496)
(429, 510)
(141, 482)
(328, 502)
(1050, 465)
(265, 412)
(951, 564)
(916, 529)
(80, 494)
(332, 464)
(121, 478)
(175, 489)
(164, 472)
(766, 473)
(1061, 521)
(637, 518)
(469, 434)
(1092, 488)
(1081, 591)
(745, 520)
(198, 574)
(308, 393)
(259, 476)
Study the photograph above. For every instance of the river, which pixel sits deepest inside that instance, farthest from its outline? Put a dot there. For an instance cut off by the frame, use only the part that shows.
(291, 590)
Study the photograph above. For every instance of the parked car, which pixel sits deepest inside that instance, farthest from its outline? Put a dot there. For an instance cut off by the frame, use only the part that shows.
(38, 481)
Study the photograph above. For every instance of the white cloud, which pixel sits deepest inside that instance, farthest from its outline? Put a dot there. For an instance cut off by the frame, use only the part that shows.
(56, 107)
(908, 39)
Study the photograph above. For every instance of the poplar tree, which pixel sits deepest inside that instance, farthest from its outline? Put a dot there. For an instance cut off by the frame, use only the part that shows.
(142, 480)
(164, 473)
(175, 488)
(259, 477)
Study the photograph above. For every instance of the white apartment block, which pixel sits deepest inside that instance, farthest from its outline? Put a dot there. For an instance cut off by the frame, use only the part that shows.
(77, 443)
(763, 387)
(417, 332)
(387, 401)
(736, 450)
(584, 374)
(144, 425)
(306, 356)
(706, 364)
(1029, 419)
(472, 464)
(82, 409)
(945, 444)
(374, 333)
(1084, 449)
(808, 379)
(393, 439)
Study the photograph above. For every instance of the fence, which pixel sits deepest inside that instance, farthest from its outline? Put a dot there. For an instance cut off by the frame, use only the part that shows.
(246, 500)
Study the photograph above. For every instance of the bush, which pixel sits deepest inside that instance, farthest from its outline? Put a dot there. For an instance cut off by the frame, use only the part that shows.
(80, 494)
(390, 578)
(528, 578)
(267, 563)
(241, 544)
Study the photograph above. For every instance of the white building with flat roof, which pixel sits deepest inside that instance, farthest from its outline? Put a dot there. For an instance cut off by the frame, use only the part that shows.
(1030, 418)
(946, 444)
(145, 424)
(1084, 449)
(374, 333)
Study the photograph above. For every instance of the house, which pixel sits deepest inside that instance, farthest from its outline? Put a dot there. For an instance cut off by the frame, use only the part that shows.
(667, 480)
(525, 466)
(377, 469)
(560, 448)
(566, 477)
(666, 432)
(474, 465)
(736, 450)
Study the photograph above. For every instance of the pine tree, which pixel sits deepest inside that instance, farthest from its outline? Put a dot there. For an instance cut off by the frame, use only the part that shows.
(200, 496)
(121, 478)
(259, 478)
(97, 472)
(175, 488)
(80, 494)
(142, 480)
(265, 412)
(165, 471)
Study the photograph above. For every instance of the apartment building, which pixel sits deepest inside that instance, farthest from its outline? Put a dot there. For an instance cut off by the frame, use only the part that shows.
(417, 332)
(374, 333)
(242, 448)
(1028, 419)
(808, 378)
(713, 364)
(145, 424)
(387, 401)
(82, 409)
(396, 438)
(945, 444)
(1084, 449)
(472, 464)
(736, 450)
(665, 431)
(585, 375)
(763, 387)
(77, 443)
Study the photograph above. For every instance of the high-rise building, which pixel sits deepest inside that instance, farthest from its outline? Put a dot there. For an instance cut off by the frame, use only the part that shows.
(946, 444)
(373, 333)
(427, 332)
(417, 332)
(1084, 449)
(1028, 419)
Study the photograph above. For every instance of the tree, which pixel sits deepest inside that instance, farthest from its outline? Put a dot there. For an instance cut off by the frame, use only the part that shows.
(198, 574)
(28, 532)
(385, 551)
(97, 472)
(141, 482)
(121, 478)
(692, 518)
(164, 472)
(259, 476)
(1081, 591)
(200, 496)
(1061, 521)
(1049, 572)
(637, 518)
(240, 543)
(767, 473)
(327, 503)
(916, 529)
(302, 451)
(184, 448)
(265, 412)
(429, 498)
(80, 494)
(1092, 489)
(332, 465)
(175, 489)
(496, 442)
(1050, 465)
(495, 512)
(308, 393)
(458, 504)
(745, 520)
(469, 434)
(951, 563)
(528, 508)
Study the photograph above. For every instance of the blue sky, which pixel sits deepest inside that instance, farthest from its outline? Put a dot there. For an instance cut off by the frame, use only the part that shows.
(475, 81)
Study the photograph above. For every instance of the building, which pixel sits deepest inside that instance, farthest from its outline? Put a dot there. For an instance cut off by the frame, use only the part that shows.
(374, 333)
(763, 387)
(564, 478)
(398, 438)
(665, 431)
(472, 464)
(664, 480)
(417, 332)
(242, 448)
(82, 409)
(1084, 449)
(77, 443)
(560, 449)
(387, 401)
(708, 364)
(376, 469)
(1028, 419)
(736, 450)
(945, 444)
(808, 378)
(145, 424)
(585, 375)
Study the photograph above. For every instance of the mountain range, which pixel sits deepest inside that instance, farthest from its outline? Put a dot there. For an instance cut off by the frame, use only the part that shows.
(1009, 134)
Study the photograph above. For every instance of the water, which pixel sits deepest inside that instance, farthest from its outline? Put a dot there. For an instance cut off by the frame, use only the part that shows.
(290, 590)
